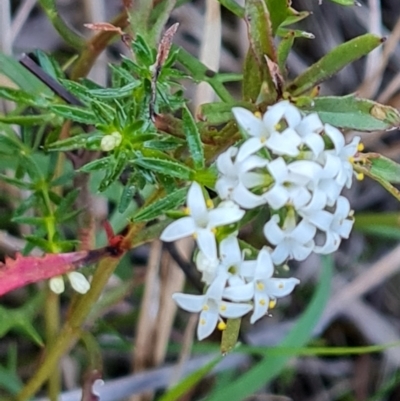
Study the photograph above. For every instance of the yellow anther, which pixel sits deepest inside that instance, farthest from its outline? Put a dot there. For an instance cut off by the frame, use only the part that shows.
(195, 235)
(360, 147)
(260, 286)
(203, 322)
(351, 159)
(262, 301)
(360, 176)
(257, 114)
(272, 304)
(280, 285)
(222, 308)
(186, 210)
(205, 308)
(209, 203)
(214, 230)
(278, 126)
(221, 326)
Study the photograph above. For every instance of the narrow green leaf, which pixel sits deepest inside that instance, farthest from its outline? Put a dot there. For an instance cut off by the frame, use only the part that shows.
(10, 381)
(75, 113)
(230, 335)
(160, 207)
(105, 114)
(115, 93)
(346, 2)
(193, 139)
(190, 381)
(219, 112)
(166, 167)
(382, 168)
(350, 112)
(28, 120)
(20, 96)
(22, 77)
(278, 11)
(333, 62)
(270, 366)
(283, 51)
(99, 164)
(74, 142)
(256, 70)
(126, 197)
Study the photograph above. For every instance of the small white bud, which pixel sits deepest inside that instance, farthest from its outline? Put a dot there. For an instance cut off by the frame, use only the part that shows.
(79, 282)
(111, 141)
(56, 284)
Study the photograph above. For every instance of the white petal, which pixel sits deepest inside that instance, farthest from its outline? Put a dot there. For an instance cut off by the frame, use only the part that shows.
(285, 143)
(280, 287)
(239, 293)
(250, 146)
(280, 253)
(196, 202)
(224, 161)
(310, 124)
(225, 215)
(278, 170)
(206, 242)
(246, 199)
(299, 196)
(229, 251)
(302, 252)
(188, 302)
(180, 228)
(232, 310)
(303, 232)
(79, 282)
(261, 304)
(207, 322)
(336, 137)
(321, 219)
(248, 268)
(57, 285)
(306, 169)
(273, 233)
(277, 196)
(315, 143)
(265, 268)
(345, 228)
(332, 243)
(249, 122)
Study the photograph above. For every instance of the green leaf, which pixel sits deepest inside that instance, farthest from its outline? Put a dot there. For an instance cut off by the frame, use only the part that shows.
(22, 77)
(105, 114)
(126, 197)
(115, 93)
(219, 112)
(10, 381)
(350, 112)
(230, 335)
(74, 142)
(20, 96)
(346, 2)
(166, 167)
(75, 113)
(193, 139)
(176, 392)
(385, 169)
(160, 207)
(283, 50)
(333, 62)
(278, 11)
(28, 120)
(256, 70)
(99, 164)
(272, 364)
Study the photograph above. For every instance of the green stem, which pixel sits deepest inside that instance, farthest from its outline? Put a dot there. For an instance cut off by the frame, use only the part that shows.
(70, 37)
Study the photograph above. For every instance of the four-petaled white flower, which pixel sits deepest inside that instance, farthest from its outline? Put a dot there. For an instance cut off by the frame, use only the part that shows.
(292, 240)
(263, 288)
(211, 306)
(201, 222)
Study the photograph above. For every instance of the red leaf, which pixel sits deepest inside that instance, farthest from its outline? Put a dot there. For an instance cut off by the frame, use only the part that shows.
(23, 270)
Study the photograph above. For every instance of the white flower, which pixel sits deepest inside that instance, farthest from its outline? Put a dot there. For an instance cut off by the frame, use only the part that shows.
(265, 132)
(315, 214)
(201, 222)
(309, 130)
(211, 306)
(232, 260)
(290, 182)
(343, 154)
(340, 227)
(264, 288)
(291, 241)
(207, 266)
(236, 178)
(78, 282)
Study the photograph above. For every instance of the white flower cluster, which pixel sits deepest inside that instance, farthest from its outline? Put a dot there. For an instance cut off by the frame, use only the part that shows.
(298, 167)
